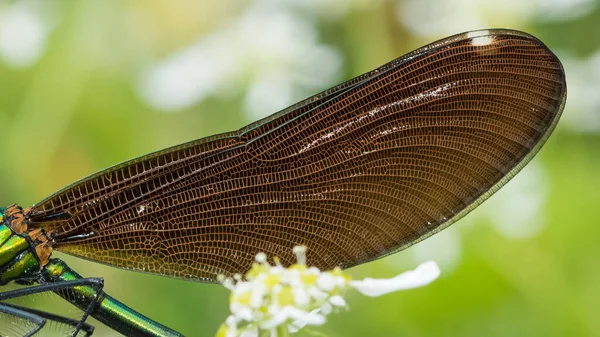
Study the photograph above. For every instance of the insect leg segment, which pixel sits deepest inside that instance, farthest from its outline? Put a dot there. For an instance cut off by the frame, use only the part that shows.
(39, 318)
(90, 298)
(24, 314)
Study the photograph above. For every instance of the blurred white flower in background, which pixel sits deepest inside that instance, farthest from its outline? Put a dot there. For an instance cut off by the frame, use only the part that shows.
(515, 211)
(564, 10)
(434, 18)
(272, 48)
(23, 33)
(280, 300)
(583, 81)
(444, 247)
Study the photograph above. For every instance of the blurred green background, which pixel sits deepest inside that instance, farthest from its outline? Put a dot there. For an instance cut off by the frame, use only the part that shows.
(87, 84)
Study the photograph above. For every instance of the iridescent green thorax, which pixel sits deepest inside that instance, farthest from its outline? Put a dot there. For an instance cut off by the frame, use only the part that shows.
(17, 259)
(23, 252)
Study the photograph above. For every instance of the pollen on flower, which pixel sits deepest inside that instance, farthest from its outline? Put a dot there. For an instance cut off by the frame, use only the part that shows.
(285, 296)
(272, 280)
(242, 298)
(256, 270)
(309, 278)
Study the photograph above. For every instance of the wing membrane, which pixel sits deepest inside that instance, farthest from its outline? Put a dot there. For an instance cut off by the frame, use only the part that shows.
(355, 173)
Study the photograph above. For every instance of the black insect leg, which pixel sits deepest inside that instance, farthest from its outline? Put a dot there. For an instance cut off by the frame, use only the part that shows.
(39, 317)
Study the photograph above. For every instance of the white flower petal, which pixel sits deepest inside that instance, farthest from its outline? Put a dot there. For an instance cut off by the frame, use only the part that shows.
(326, 308)
(340, 282)
(316, 294)
(231, 322)
(242, 288)
(313, 270)
(295, 314)
(337, 301)
(258, 293)
(231, 332)
(261, 257)
(422, 275)
(326, 282)
(242, 312)
(276, 319)
(250, 333)
(312, 316)
(301, 298)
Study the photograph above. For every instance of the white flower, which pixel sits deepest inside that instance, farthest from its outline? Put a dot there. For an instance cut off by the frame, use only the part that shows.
(23, 33)
(274, 298)
(269, 48)
(439, 18)
(423, 275)
(298, 324)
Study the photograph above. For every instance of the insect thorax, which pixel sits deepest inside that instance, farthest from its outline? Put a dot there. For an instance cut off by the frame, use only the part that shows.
(23, 252)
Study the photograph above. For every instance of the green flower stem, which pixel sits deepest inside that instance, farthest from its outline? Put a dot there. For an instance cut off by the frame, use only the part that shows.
(282, 331)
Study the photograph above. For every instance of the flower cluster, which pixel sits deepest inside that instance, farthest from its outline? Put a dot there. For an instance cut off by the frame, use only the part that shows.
(279, 300)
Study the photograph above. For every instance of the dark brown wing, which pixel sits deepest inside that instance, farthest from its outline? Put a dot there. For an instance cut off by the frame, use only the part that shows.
(355, 173)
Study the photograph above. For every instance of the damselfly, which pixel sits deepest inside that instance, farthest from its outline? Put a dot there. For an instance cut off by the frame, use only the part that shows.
(355, 173)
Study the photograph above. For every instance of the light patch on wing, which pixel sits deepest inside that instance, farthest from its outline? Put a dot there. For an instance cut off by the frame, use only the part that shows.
(480, 38)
